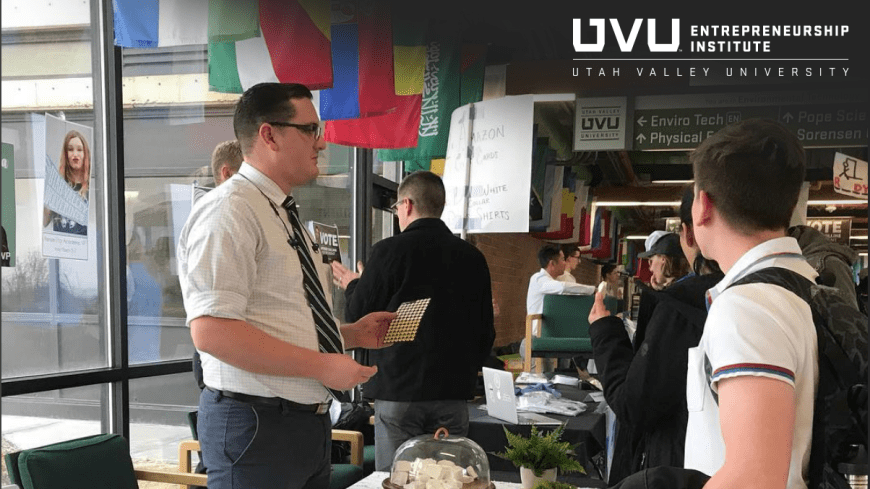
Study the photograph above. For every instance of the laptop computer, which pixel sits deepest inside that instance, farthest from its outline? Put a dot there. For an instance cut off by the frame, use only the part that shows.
(501, 401)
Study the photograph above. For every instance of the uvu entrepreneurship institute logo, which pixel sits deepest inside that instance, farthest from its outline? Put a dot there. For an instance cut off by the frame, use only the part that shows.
(715, 43)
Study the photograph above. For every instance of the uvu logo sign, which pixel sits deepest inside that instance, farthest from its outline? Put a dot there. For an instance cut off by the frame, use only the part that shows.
(599, 123)
(626, 43)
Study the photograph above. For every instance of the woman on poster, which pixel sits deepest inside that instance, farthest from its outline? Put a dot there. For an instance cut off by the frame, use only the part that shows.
(75, 168)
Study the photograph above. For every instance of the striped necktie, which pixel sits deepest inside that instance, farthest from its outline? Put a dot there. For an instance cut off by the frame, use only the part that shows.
(328, 336)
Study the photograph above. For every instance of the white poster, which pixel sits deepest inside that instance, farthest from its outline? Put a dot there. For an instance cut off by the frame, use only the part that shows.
(498, 182)
(67, 189)
(850, 176)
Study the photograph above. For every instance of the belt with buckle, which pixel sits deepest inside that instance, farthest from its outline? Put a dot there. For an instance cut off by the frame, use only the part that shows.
(277, 402)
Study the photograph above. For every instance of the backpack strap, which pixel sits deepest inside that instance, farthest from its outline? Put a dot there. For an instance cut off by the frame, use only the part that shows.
(803, 288)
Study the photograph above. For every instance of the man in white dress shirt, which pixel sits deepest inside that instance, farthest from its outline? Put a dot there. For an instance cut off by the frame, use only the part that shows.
(546, 280)
(263, 416)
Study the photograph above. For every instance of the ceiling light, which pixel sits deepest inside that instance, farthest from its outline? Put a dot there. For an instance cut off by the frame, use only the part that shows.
(673, 182)
(858, 237)
(637, 236)
(837, 202)
(554, 97)
(635, 204)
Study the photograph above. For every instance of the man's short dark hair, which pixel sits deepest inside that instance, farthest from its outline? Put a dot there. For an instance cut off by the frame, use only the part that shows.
(547, 253)
(426, 191)
(753, 171)
(686, 204)
(264, 102)
(570, 250)
(606, 269)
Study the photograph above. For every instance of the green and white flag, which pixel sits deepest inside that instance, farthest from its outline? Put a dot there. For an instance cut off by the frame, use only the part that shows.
(441, 96)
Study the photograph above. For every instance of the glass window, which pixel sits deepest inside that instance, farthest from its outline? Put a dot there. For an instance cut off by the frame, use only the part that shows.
(36, 420)
(168, 146)
(159, 409)
(157, 191)
(52, 211)
(391, 170)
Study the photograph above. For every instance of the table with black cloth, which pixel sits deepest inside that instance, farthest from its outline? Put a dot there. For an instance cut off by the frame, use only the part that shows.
(586, 429)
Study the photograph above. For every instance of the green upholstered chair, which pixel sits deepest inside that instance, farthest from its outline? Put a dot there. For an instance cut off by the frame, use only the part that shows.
(343, 475)
(563, 328)
(86, 463)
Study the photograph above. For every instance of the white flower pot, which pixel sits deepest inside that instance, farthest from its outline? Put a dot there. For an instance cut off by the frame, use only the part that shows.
(528, 478)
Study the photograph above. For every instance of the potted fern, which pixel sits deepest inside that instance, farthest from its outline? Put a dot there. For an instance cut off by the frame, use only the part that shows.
(540, 456)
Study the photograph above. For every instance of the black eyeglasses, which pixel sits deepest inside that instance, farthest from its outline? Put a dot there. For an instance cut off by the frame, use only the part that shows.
(312, 129)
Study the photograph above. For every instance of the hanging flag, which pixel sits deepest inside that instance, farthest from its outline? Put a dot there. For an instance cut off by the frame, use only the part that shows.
(163, 23)
(603, 249)
(362, 60)
(377, 94)
(136, 23)
(394, 130)
(233, 20)
(342, 100)
(233, 67)
(564, 200)
(472, 72)
(441, 96)
(223, 73)
(297, 36)
(409, 49)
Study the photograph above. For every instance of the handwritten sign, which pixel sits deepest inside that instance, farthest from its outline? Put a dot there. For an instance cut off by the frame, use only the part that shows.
(495, 139)
(850, 176)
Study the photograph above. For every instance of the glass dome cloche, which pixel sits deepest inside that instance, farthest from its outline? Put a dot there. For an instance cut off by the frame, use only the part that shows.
(439, 461)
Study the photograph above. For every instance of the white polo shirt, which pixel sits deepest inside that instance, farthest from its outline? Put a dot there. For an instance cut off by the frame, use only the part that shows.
(755, 329)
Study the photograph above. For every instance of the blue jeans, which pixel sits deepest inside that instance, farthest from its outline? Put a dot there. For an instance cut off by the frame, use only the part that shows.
(397, 422)
(247, 446)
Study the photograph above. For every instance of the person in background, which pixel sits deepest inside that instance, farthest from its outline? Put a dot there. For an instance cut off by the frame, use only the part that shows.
(545, 281)
(831, 260)
(5, 257)
(424, 384)
(75, 168)
(666, 260)
(610, 277)
(226, 159)
(644, 381)
(272, 351)
(572, 260)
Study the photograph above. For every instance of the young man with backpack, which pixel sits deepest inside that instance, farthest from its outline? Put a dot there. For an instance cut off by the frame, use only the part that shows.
(752, 379)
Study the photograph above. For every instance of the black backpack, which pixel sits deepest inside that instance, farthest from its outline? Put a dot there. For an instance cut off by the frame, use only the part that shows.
(840, 408)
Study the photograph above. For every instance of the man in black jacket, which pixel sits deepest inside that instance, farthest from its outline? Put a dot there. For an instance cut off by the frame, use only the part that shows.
(424, 384)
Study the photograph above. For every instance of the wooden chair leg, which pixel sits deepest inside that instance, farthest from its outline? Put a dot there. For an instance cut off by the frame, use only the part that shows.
(527, 353)
(185, 450)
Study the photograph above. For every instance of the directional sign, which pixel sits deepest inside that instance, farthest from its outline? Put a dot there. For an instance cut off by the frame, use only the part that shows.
(819, 126)
(678, 129)
(681, 123)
